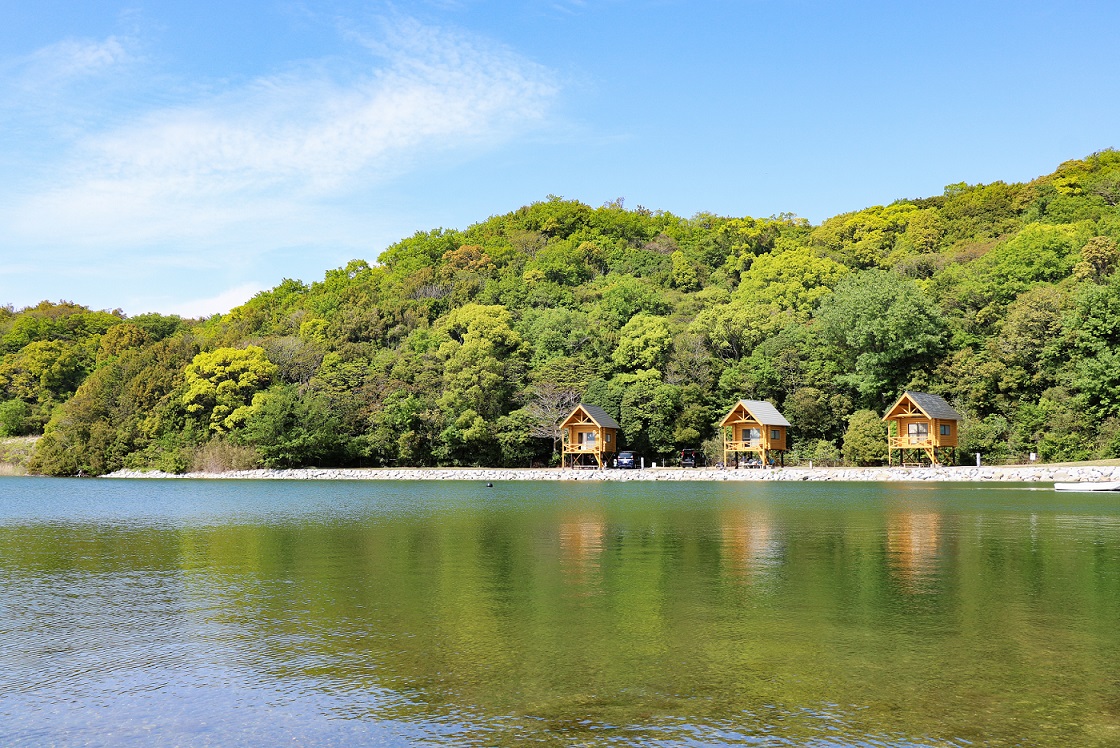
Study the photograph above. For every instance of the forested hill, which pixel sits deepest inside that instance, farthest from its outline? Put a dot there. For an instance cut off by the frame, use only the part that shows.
(460, 347)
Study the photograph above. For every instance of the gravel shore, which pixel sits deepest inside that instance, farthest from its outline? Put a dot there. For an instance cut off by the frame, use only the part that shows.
(1039, 473)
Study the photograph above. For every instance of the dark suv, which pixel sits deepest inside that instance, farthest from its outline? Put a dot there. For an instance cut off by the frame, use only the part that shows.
(692, 458)
(626, 460)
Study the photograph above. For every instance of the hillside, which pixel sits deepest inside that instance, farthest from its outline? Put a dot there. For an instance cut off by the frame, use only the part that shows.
(459, 347)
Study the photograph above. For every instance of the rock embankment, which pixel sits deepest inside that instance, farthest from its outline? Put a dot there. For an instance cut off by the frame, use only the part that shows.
(1032, 473)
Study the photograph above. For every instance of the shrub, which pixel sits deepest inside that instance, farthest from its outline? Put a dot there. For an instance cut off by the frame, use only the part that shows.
(220, 456)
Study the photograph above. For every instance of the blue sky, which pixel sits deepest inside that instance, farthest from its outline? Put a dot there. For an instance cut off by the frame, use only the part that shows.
(181, 156)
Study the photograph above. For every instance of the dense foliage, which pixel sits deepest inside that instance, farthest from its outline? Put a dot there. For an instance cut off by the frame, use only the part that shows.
(461, 347)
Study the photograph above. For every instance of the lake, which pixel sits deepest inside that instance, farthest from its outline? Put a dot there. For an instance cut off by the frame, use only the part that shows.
(261, 613)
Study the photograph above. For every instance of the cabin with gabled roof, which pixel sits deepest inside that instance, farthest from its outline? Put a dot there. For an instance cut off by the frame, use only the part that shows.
(754, 427)
(590, 437)
(924, 426)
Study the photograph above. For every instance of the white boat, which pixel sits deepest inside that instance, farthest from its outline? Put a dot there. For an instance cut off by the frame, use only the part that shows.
(1088, 486)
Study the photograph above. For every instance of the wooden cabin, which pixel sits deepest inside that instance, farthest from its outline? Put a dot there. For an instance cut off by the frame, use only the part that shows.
(755, 427)
(590, 437)
(925, 426)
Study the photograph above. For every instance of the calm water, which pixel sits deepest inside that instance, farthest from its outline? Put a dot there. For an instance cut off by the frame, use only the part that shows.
(137, 613)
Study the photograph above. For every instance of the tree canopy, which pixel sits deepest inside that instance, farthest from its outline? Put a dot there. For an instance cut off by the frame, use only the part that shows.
(464, 346)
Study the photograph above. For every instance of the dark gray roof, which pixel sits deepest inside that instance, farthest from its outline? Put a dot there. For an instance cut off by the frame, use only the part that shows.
(934, 406)
(766, 413)
(600, 416)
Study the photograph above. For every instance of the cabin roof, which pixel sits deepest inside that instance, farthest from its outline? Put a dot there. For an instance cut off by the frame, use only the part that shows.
(597, 414)
(934, 406)
(762, 411)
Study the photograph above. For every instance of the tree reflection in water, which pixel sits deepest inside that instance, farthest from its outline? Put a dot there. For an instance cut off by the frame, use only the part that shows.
(769, 614)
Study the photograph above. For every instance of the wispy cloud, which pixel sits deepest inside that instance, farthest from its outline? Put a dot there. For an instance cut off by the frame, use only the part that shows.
(268, 163)
(66, 61)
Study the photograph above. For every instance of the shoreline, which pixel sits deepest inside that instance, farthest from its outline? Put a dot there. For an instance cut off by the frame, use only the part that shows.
(1014, 473)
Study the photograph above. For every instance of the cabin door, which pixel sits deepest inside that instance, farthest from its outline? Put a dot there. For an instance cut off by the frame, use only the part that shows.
(918, 432)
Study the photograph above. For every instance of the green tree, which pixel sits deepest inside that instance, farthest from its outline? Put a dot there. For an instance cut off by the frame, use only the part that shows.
(649, 411)
(483, 360)
(624, 296)
(516, 441)
(15, 417)
(990, 436)
(1030, 347)
(865, 441)
(483, 367)
(884, 327)
(288, 430)
(120, 338)
(815, 412)
(1093, 330)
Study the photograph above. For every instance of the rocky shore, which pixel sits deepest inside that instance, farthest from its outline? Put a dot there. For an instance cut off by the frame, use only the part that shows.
(1024, 473)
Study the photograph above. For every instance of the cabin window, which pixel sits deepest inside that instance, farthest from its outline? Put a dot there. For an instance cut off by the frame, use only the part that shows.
(918, 432)
(775, 434)
(946, 429)
(751, 435)
(590, 440)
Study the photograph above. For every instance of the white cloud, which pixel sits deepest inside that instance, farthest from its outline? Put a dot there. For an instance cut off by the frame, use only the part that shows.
(219, 304)
(70, 59)
(266, 164)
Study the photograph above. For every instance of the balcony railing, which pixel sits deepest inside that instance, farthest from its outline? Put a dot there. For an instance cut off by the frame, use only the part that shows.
(742, 446)
(910, 442)
(583, 448)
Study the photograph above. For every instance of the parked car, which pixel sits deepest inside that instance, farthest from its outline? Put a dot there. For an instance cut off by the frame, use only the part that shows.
(627, 460)
(692, 458)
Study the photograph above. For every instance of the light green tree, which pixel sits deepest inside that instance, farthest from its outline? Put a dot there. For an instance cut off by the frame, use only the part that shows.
(684, 275)
(46, 371)
(1099, 258)
(644, 343)
(794, 280)
(731, 330)
(864, 239)
(220, 384)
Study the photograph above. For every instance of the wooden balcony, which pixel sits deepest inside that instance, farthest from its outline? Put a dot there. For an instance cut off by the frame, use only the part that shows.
(741, 446)
(911, 442)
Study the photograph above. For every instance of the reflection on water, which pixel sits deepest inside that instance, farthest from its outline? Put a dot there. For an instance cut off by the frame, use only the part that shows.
(751, 544)
(581, 546)
(254, 614)
(912, 543)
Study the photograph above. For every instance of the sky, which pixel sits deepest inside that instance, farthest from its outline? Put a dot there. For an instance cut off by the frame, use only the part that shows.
(179, 157)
